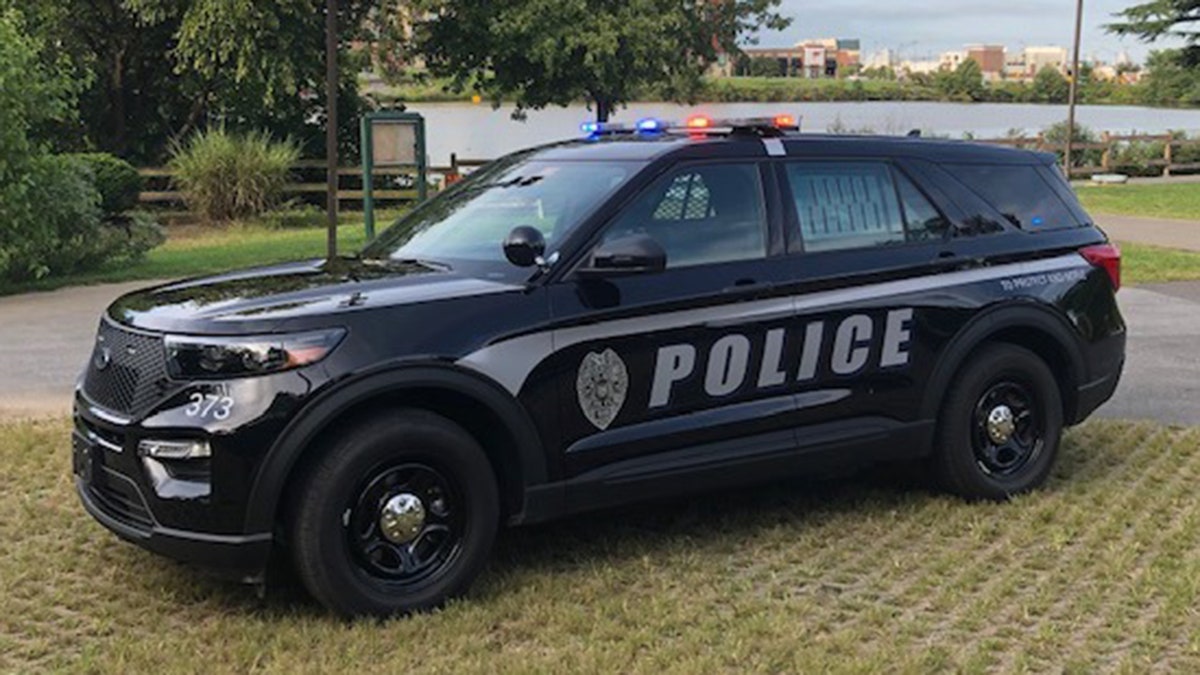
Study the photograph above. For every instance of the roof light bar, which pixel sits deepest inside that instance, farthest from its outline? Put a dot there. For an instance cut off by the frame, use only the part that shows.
(694, 124)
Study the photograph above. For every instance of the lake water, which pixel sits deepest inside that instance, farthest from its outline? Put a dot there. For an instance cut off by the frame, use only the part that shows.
(479, 132)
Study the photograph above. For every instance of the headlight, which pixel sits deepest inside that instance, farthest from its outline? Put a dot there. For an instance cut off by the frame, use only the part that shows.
(197, 358)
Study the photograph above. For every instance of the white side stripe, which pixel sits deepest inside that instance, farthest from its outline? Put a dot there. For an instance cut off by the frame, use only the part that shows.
(510, 363)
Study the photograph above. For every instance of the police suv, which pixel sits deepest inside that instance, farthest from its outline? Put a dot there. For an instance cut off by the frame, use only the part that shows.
(630, 316)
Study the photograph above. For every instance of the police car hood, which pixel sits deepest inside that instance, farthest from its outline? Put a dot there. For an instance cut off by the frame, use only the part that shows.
(275, 298)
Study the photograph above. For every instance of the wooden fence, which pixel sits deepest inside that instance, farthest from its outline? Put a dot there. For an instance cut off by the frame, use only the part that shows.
(166, 194)
(1108, 147)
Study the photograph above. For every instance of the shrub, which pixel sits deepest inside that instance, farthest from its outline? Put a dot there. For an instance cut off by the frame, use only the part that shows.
(117, 181)
(66, 233)
(226, 176)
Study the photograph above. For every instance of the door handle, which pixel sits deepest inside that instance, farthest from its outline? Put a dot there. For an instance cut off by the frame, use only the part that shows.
(748, 285)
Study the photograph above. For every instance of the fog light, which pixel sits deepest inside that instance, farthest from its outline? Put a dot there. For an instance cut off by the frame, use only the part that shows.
(175, 449)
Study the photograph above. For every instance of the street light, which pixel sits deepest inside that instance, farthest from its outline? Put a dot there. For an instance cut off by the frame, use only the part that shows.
(1074, 95)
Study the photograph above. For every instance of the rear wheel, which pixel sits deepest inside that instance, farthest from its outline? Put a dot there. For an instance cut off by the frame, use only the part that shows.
(1000, 426)
(399, 516)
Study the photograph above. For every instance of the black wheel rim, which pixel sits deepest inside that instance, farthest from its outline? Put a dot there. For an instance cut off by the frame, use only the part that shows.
(1008, 433)
(429, 548)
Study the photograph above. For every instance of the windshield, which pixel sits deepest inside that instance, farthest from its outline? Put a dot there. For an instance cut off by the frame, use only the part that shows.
(469, 222)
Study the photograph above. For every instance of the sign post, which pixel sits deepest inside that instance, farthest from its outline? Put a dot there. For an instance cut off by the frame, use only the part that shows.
(391, 140)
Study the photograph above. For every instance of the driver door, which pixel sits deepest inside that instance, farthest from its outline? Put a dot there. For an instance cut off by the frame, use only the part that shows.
(658, 363)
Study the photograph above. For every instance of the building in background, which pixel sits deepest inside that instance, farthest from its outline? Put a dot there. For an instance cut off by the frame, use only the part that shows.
(812, 59)
(1037, 58)
(991, 60)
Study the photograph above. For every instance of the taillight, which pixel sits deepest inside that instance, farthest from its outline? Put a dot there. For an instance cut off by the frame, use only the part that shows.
(1107, 256)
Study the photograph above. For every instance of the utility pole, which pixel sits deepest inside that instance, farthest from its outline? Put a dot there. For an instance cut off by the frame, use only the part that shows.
(1074, 96)
(331, 124)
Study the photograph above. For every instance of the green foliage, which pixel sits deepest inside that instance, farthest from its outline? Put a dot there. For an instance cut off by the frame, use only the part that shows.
(964, 83)
(160, 69)
(1049, 86)
(32, 93)
(118, 183)
(1056, 134)
(1157, 19)
(554, 52)
(227, 175)
(65, 233)
(1168, 81)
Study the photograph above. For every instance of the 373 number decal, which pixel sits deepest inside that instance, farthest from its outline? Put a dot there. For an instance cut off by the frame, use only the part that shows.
(209, 406)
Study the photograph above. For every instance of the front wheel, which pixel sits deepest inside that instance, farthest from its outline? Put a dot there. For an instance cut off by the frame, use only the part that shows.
(1000, 426)
(397, 517)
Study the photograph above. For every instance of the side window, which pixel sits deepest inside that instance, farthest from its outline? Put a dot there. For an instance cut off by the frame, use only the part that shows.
(924, 221)
(701, 215)
(1019, 193)
(846, 205)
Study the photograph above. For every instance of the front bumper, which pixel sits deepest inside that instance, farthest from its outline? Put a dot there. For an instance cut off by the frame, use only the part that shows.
(241, 558)
(115, 493)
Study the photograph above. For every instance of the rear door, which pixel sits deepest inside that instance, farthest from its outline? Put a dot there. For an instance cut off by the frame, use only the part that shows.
(868, 245)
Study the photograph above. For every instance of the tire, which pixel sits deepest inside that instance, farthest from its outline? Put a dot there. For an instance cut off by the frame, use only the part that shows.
(970, 459)
(398, 516)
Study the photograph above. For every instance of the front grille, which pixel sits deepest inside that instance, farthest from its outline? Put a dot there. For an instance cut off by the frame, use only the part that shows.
(128, 371)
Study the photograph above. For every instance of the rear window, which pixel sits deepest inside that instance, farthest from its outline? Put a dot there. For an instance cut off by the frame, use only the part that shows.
(1019, 193)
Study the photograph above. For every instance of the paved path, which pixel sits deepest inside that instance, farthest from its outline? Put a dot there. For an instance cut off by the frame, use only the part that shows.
(46, 338)
(1154, 231)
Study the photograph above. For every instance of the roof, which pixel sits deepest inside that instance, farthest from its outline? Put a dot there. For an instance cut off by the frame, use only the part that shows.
(648, 147)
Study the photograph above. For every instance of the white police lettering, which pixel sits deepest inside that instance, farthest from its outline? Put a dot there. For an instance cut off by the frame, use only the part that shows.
(727, 366)
(674, 364)
(853, 345)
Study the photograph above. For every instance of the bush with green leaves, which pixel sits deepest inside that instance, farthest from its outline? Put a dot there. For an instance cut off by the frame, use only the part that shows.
(118, 182)
(226, 176)
(68, 233)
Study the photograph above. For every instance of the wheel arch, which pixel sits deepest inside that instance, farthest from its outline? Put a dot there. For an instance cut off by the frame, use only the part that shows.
(1035, 327)
(486, 411)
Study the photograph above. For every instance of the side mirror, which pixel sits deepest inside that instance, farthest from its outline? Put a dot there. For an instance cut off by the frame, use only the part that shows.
(626, 257)
(525, 246)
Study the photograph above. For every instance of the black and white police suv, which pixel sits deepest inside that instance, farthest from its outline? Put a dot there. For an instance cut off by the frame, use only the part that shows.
(630, 316)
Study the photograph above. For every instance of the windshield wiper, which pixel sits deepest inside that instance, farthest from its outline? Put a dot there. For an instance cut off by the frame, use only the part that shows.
(420, 262)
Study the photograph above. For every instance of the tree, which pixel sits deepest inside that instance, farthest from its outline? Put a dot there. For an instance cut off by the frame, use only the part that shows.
(161, 69)
(1157, 19)
(1168, 81)
(963, 83)
(1049, 86)
(555, 52)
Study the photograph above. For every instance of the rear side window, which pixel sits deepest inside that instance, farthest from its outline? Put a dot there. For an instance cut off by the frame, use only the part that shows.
(846, 205)
(1019, 193)
(851, 205)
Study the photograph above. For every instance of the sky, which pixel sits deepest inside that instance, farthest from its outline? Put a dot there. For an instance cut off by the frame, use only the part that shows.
(920, 29)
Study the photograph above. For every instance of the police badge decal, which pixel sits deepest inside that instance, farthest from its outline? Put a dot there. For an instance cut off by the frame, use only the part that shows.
(602, 384)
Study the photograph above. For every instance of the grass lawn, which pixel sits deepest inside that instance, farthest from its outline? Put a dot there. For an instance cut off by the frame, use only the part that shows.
(1101, 571)
(1177, 200)
(1142, 264)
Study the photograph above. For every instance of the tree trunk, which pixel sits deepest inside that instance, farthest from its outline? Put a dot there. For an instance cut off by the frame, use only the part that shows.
(603, 109)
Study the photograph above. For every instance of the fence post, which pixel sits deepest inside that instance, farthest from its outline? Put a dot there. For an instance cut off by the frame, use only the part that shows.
(1041, 141)
(1168, 155)
(1106, 160)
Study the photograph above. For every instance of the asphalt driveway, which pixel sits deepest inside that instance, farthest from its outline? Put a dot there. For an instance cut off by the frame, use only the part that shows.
(45, 339)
